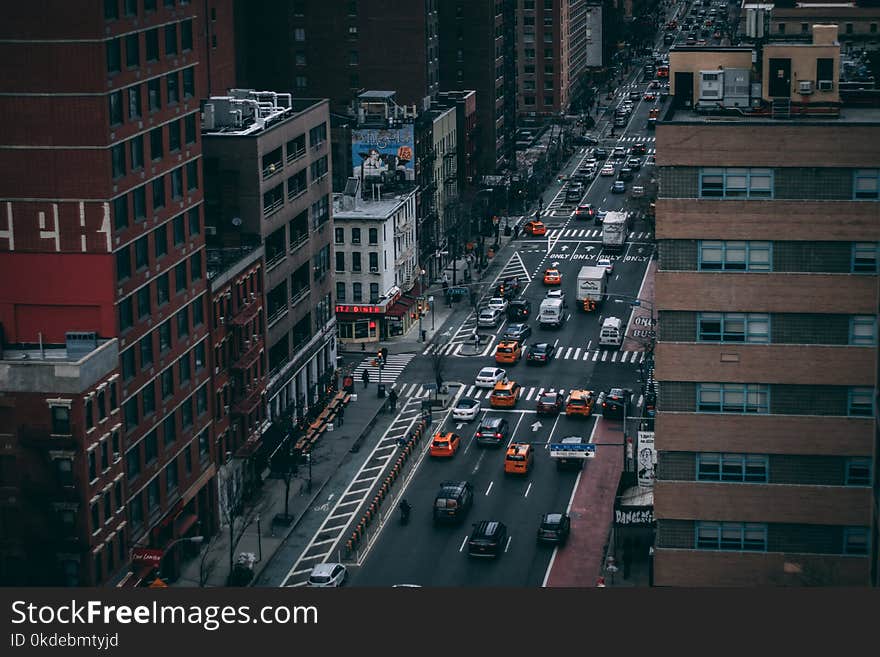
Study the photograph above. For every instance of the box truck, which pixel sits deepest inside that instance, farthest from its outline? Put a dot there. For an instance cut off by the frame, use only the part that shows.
(591, 287)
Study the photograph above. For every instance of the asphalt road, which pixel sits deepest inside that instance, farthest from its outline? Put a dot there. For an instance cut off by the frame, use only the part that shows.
(420, 553)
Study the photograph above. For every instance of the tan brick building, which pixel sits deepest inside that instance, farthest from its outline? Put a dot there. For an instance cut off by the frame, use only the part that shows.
(768, 225)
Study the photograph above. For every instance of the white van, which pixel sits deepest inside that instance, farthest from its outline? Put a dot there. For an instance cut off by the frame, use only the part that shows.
(551, 313)
(611, 333)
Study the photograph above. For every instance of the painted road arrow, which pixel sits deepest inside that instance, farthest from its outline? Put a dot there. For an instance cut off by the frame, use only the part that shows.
(536, 425)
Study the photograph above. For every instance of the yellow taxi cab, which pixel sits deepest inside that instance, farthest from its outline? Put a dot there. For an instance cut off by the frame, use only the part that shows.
(445, 444)
(519, 458)
(508, 351)
(535, 227)
(552, 276)
(505, 394)
(580, 402)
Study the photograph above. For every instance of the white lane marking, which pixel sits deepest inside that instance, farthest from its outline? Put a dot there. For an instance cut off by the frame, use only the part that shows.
(491, 483)
(555, 343)
(567, 353)
(529, 394)
(595, 355)
(479, 461)
(463, 543)
(507, 547)
(604, 356)
(528, 489)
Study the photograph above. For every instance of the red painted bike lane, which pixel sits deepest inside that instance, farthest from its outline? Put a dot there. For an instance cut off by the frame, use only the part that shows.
(579, 562)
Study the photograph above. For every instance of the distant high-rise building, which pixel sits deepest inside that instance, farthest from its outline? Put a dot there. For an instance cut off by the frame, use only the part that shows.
(103, 264)
(321, 49)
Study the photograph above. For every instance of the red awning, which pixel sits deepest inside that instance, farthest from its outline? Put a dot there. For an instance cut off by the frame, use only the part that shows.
(401, 307)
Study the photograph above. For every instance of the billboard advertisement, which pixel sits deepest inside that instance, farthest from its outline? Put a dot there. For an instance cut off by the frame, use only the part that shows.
(390, 151)
(647, 459)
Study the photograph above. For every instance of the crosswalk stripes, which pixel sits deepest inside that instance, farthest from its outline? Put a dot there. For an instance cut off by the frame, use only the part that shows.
(393, 368)
(588, 233)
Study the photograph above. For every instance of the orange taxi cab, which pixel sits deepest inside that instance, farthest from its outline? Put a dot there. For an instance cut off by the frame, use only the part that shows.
(552, 276)
(445, 445)
(580, 402)
(518, 459)
(535, 227)
(505, 394)
(508, 351)
(654, 113)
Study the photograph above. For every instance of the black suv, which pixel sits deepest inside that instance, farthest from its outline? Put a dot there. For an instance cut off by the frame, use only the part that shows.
(616, 404)
(492, 431)
(508, 288)
(554, 528)
(625, 174)
(453, 501)
(519, 310)
(488, 539)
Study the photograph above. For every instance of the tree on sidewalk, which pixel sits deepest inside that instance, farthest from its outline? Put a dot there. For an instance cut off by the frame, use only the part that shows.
(208, 560)
(236, 512)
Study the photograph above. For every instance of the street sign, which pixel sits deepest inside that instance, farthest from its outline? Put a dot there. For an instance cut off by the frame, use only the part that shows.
(572, 451)
(457, 291)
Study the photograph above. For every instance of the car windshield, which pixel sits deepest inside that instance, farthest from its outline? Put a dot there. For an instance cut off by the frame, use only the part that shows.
(539, 350)
(319, 579)
(488, 373)
(441, 442)
(502, 393)
(516, 457)
(467, 403)
(548, 399)
(505, 350)
(577, 401)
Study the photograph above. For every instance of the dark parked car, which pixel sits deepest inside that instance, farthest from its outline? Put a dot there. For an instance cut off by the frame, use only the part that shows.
(554, 528)
(541, 353)
(601, 153)
(625, 173)
(492, 431)
(634, 163)
(518, 332)
(488, 539)
(519, 310)
(453, 500)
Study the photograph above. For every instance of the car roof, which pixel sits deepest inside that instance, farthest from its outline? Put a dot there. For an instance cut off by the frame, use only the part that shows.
(324, 568)
(488, 527)
(504, 385)
(470, 401)
(492, 421)
(488, 370)
(572, 440)
(552, 517)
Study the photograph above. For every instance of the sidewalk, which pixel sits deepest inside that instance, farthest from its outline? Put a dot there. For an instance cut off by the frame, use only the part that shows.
(211, 567)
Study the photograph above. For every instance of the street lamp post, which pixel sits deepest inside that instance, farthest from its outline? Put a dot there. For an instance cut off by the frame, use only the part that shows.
(421, 296)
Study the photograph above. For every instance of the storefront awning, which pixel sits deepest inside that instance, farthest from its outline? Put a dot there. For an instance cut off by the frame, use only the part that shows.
(401, 307)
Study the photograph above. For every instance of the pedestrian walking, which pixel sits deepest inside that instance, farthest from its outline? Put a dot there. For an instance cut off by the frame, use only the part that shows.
(392, 400)
(365, 377)
(340, 416)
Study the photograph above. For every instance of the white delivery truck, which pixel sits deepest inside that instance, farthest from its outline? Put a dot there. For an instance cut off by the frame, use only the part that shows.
(615, 228)
(551, 313)
(611, 333)
(591, 287)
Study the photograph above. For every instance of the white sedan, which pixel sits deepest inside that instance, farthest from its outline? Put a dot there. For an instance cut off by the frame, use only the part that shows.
(489, 376)
(607, 170)
(466, 409)
(325, 575)
(498, 302)
(607, 263)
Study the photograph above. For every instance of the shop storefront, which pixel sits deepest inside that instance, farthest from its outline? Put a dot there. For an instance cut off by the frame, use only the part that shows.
(366, 323)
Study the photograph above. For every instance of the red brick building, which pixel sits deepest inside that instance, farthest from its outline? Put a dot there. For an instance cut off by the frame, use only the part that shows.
(102, 230)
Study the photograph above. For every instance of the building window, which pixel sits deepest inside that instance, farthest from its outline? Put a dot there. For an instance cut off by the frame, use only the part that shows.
(374, 293)
(858, 472)
(154, 94)
(733, 327)
(186, 35)
(160, 241)
(863, 330)
(340, 261)
(735, 256)
(353, 58)
(190, 132)
(163, 289)
(864, 257)
(318, 135)
(356, 261)
(183, 323)
(174, 136)
(731, 536)
(186, 413)
(171, 39)
(158, 193)
(166, 381)
(111, 10)
(117, 159)
(164, 336)
(149, 398)
(151, 38)
(171, 476)
(130, 414)
(132, 50)
(102, 410)
(126, 321)
(849, 28)
(733, 398)
(780, 28)
(128, 368)
(299, 34)
(90, 418)
(120, 221)
(115, 105)
(192, 175)
(321, 211)
(300, 58)
(93, 465)
(194, 219)
(736, 183)
(340, 291)
(189, 82)
(195, 266)
(133, 462)
(355, 235)
(114, 56)
(177, 184)
(866, 184)
(861, 402)
(153, 498)
(169, 430)
(139, 199)
(374, 235)
(156, 144)
(198, 312)
(374, 261)
(339, 236)
(137, 152)
(143, 302)
(134, 102)
(749, 468)
(855, 540)
(172, 87)
(319, 168)
(145, 345)
(356, 292)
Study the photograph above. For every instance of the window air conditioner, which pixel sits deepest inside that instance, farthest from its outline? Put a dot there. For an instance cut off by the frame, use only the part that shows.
(805, 87)
(826, 85)
(374, 270)
(222, 320)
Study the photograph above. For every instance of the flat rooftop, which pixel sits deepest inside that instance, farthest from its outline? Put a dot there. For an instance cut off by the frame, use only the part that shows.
(368, 208)
(848, 115)
(26, 354)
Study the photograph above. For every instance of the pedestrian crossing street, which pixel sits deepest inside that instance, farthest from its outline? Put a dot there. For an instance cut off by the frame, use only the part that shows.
(394, 366)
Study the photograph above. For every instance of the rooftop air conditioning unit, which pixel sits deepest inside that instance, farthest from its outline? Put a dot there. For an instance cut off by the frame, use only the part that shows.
(711, 85)
(826, 85)
(805, 87)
